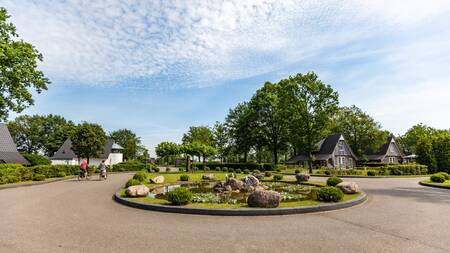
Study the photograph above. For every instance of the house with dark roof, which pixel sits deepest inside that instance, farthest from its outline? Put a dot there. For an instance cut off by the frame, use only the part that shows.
(8, 149)
(332, 152)
(389, 152)
(112, 154)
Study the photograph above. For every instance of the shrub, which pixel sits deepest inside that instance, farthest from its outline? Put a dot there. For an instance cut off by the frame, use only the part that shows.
(184, 177)
(327, 172)
(10, 179)
(247, 171)
(168, 169)
(238, 171)
(445, 174)
(333, 181)
(437, 178)
(129, 166)
(61, 174)
(132, 182)
(141, 176)
(297, 171)
(231, 170)
(278, 170)
(277, 177)
(156, 169)
(268, 174)
(179, 196)
(39, 177)
(207, 169)
(256, 171)
(36, 159)
(225, 169)
(371, 173)
(218, 168)
(330, 194)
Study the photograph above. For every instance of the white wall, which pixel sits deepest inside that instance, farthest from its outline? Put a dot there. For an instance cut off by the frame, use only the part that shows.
(113, 158)
(65, 162)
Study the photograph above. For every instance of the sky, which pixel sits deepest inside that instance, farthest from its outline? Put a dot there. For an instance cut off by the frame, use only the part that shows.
(158, 67)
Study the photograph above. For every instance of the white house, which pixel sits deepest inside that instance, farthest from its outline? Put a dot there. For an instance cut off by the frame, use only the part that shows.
(112, 154)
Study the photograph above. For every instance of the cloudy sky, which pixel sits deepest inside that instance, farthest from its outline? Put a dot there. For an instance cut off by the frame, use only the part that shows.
(158, 67)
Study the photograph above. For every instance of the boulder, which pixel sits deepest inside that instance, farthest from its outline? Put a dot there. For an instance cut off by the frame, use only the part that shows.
(235, 184)
(348, 187)
(266, 199)
(157, 180)
(219, 187)
(250, 180)
(137, 191)
(228, 188)
(259, 176)
(302, 177)
(208, 177)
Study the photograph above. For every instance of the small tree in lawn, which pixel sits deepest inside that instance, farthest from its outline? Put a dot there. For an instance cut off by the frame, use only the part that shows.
(88, 140)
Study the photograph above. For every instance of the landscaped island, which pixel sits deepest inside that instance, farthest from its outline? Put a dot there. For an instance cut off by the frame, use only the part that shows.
(219, 190)
(440, 180)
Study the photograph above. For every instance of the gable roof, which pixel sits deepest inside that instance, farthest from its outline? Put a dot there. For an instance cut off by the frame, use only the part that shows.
(65, 152)
(383, 150)
(8, 149)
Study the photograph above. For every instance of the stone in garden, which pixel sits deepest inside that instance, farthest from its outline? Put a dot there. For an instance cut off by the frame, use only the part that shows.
(259, 176)
(137, 191)
(228, 188)
(234, 183)
(208, 177)
(348, 187)
(302, 177)
(157, 180)
(251, 180)
(260, 188)
(219, 187)
(266, 199)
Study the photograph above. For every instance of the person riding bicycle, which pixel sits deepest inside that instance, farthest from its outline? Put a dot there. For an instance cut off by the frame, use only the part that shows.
(83, 168)
(102, 168)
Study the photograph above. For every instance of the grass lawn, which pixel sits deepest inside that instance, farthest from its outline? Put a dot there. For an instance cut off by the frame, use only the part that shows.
(445, 184)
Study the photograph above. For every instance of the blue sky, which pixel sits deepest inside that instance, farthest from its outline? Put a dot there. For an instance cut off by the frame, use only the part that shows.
(159, 67)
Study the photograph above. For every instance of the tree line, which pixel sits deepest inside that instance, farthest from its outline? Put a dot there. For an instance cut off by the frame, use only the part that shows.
(46, 133)
(287, 118)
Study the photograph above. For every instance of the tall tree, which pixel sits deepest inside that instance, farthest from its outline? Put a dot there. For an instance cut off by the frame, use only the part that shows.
(410, 140)
(56, 129)
(271, 124)
(360, 130)
(221, 139)
(27, 132)
(18, 70)
(425, 155)
(129, 141)
(200, 134)
(88, 140)
(441, 150)
(167, 149)
(309, 104)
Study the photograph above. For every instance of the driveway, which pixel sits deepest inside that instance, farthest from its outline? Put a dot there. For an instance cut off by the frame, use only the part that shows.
(71, 216)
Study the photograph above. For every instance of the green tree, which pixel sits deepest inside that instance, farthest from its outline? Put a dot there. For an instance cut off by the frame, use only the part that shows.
(200, 134)
(360, 130)
(425, 154)
(271, 125)
(441, 150)
(18, 70)
(56, 130)
(221, 139)
(409, 141)
(167, 149)
(129, 141)
(88, 140)
(309, 104)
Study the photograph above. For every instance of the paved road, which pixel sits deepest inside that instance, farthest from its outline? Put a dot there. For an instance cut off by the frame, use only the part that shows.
(71, 216)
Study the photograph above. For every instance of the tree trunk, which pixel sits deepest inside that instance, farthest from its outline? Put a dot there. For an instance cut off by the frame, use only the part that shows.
(245, 157)
(275, 155)
(310, 162)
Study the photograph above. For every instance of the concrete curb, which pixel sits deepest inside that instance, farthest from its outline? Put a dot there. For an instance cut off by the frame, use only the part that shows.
(241, 211)
(36, 183)
(433, 185)
(350, 176)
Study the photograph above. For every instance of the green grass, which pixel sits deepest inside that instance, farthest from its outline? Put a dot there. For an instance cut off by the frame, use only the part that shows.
(445, 184)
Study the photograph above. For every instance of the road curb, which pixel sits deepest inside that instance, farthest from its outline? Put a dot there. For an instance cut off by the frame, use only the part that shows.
(350, 176)
(34, 184)
(242, 211)
(433, 185)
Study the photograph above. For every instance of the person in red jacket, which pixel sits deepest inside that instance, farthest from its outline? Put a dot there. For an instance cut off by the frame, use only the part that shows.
(83, 169)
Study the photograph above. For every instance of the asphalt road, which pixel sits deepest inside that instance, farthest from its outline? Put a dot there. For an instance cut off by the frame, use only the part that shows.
(71, 216)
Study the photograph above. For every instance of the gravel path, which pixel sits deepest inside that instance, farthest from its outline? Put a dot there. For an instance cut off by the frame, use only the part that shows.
(72, 216)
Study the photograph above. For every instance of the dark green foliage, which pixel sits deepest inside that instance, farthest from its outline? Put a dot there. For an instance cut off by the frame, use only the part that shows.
(39, 177)
(36, 159)
(231, 170)
(333, 181)
(128, 166)
(330, 194)
(61, 174)
(28, 173)
(297, 171)
(156, 169)
(132, 182)
(179, 196)
(141, 176)
(238, 171)
(437, 178)
(129, 141)
(256, 171)
(10, 179)
(88, 140)
(268, 174)
(247, 171)
(371, 173)
(277, 177)
(184, 177)
(445, 174)
(207, 169)
(242, 166)
(327, 172)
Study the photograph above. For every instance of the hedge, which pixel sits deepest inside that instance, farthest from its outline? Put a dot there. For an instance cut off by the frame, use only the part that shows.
(235, 166)
(36, 159)
(132, 166)
(13, 173)
(386, 170)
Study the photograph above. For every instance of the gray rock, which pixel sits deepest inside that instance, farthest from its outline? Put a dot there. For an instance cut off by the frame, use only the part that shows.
(302, 177)
(259, 176)
(137, 191)
(265, 199)
(208, 176)
(157, 180)
(348, 187)
(234, 183)
(250, 180)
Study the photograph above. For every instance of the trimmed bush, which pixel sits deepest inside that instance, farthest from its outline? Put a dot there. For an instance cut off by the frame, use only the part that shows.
(330, 194)
(179, 196)
(256, 171)
(277, 177)
(207, 169)
(132, 182)
(231, 170)
(61, 174)
(268, 174)
(39, 177)
(238, 171)
(371, 173)
(445, 174)
(333, 181)
(128, 166)
(141, 176)
(297, 171)
(218, 169)
(437, 178)
(327, 172)
(36, 159)
(184, 177)
(247, 171)
(225, 169)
